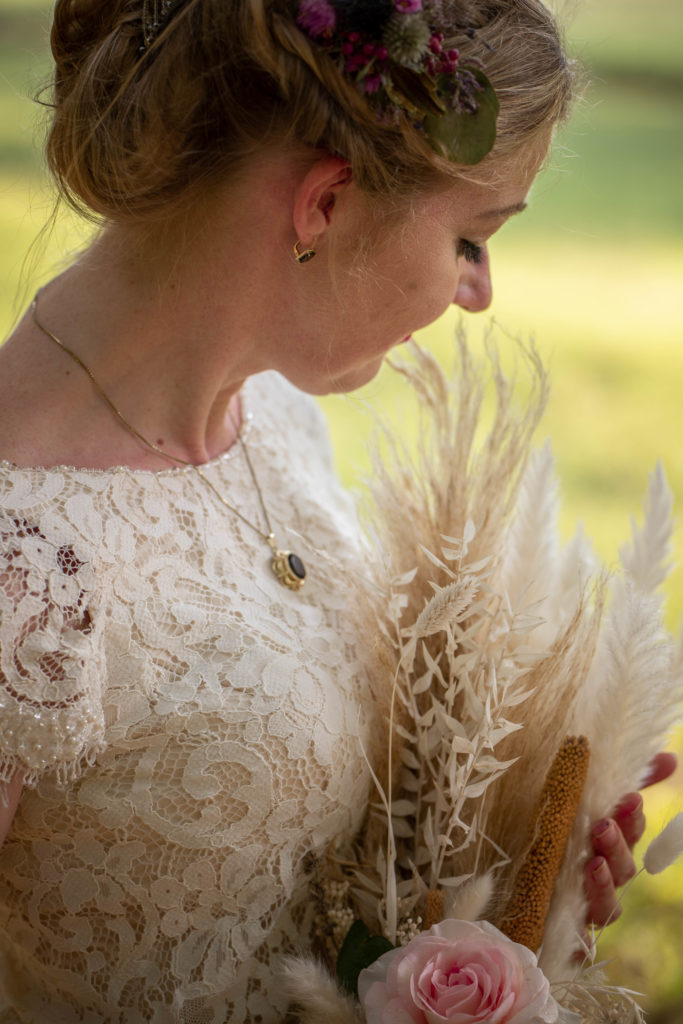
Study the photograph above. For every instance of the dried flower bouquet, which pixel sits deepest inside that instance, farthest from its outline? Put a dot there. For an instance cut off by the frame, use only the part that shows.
(526, 691)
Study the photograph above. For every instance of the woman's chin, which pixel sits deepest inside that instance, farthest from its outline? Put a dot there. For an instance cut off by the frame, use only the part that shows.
(348, 378)
(351, 380)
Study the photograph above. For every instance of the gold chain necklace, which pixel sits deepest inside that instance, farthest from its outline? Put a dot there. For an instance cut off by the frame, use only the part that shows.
(287, 566)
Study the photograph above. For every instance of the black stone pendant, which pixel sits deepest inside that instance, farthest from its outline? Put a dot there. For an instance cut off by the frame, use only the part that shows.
(289, 569)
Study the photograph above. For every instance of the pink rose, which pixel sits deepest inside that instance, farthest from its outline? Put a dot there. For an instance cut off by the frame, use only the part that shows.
(460, 972)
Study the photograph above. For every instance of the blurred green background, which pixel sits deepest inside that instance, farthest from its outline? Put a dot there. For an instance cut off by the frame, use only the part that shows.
(594, 270)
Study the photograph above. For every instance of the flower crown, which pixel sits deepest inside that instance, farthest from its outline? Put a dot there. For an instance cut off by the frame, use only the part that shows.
(395, 53)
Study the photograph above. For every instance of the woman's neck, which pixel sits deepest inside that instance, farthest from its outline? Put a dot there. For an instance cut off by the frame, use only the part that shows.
(170, 357)
(170, 338)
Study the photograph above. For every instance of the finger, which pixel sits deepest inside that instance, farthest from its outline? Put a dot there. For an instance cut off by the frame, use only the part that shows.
(630, 818)
(609, 843)
(583, 952)
(661, 767)
(603, 905)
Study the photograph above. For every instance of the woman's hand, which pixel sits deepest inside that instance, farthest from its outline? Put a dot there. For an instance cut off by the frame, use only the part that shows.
(613, 838)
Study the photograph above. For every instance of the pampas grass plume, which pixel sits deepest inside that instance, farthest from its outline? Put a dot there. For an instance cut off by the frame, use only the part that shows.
(666, 848)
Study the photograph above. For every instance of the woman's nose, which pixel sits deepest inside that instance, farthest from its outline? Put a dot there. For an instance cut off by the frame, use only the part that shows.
(474, 291)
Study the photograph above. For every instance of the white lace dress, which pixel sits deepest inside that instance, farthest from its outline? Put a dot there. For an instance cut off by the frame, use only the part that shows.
(194, 728)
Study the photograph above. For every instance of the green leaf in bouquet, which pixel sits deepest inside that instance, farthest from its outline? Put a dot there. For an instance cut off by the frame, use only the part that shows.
(465, 137)
(359, 950)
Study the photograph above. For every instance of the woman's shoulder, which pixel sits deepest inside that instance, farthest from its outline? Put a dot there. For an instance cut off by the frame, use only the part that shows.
(54, 495)
(51, 661)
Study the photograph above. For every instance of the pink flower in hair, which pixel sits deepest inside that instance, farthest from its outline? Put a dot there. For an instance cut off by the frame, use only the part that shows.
(317, 18)
(408, 6)
(372, 83)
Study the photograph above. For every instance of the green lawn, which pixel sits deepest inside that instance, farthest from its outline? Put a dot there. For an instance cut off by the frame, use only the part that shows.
(594, 269)
(630, 37)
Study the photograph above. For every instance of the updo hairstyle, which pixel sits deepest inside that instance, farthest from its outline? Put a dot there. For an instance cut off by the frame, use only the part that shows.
(138, 136)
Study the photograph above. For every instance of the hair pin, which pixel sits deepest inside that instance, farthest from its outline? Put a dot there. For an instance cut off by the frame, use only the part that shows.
(155, 15)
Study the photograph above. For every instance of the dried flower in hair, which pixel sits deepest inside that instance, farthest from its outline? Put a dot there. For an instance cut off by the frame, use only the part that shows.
(393, 50)
(372, 83)
(318, 18)
(407, 38)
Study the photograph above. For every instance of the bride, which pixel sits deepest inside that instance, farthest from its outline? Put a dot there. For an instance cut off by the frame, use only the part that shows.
(286, 191)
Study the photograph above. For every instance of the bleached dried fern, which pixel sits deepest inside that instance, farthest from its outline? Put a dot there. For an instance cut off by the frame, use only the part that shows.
(465, 656)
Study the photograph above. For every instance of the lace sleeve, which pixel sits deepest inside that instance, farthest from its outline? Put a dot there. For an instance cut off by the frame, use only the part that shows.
(51, 658)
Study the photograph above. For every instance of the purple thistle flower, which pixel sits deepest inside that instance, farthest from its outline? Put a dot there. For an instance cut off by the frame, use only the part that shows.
(408, 6)
(317, 18)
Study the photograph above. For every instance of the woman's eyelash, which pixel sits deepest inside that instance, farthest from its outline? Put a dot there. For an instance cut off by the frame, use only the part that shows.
(472, 252)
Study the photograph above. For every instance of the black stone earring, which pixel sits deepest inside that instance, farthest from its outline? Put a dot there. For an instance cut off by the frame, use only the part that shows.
(303, 256)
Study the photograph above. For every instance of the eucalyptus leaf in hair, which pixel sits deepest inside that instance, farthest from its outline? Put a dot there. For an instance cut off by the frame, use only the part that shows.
(466, 134)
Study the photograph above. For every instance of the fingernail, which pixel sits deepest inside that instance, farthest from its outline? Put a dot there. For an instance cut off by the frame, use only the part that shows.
(601, 828)
(601, 872)
(632, 805)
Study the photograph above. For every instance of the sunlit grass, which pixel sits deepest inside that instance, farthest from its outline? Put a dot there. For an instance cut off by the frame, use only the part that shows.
(32, 249)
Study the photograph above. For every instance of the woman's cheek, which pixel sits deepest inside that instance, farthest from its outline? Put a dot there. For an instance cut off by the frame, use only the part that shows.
(440, 301)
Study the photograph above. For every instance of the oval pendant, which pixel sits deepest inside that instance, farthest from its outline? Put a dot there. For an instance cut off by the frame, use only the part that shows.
(289, 569)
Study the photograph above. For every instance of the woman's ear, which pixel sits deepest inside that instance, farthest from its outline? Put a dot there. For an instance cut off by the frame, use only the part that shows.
(318, 195)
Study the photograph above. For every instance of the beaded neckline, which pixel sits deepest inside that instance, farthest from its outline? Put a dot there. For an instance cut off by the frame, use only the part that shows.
(171, 471)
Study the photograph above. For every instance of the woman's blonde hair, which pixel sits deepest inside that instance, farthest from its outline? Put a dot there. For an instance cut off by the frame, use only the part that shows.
(136, 135)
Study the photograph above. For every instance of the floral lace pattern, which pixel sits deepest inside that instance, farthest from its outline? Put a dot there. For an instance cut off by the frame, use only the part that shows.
(193, 730)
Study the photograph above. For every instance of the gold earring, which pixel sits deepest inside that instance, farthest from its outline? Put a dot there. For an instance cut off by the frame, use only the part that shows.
(305, 256)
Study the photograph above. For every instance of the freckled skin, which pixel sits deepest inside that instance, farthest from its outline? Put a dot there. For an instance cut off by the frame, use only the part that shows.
(415, 273)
